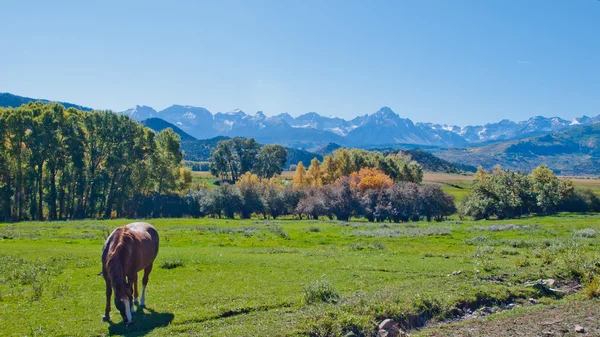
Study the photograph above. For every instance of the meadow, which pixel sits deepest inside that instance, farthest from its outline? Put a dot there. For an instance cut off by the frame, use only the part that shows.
(216, 277)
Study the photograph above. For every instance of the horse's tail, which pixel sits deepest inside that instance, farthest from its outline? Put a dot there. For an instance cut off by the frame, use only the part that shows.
(106, 249)
(154, 235)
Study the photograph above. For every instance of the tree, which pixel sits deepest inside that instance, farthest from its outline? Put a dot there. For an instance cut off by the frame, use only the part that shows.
(300, 179)
(371, 178)
(549, 190)
(314, 175)
(330, 170)
(270, 161)
(435, 204)
(250, 188)
(233, 157)
(167, 160)
(343, 199)
(343, 162)
(225, 162)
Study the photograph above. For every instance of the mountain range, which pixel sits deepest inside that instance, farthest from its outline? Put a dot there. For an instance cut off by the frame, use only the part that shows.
(382, 128)
(569, 147)
(575, 151)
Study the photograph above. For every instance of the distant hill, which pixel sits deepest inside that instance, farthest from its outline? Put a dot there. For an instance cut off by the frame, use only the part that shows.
(14, 101)
(572, 152)
(158, 125)
(199, 149)
(328, 149)
(431, 163)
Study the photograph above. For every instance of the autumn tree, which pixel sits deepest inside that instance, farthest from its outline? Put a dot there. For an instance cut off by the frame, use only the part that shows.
(314, 175)
(300, 179)
(371, 179)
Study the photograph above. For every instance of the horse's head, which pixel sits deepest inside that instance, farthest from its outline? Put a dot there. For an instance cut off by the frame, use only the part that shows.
(123, 301)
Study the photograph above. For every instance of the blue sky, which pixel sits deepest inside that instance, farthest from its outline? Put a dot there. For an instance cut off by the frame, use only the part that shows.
(446, 61)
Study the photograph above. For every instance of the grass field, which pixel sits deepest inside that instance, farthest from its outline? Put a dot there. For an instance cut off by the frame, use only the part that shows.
(286, 277)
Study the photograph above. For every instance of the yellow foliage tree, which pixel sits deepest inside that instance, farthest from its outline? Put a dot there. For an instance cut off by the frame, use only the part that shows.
(371, 178)
(248, 179)
(314, 175)
(300, 176)
(330, 170)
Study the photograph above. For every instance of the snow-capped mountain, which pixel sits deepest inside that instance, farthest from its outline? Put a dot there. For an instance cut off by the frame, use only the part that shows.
(382, 128)
(506, 129)
(140, 112)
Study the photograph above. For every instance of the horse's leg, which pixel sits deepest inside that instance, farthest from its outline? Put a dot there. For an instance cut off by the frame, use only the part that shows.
(147, 271)
(131, 281)
(106, 317)
(135, 290)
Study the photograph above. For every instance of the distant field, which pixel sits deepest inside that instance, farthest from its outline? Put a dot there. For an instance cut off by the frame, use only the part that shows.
(252, 277)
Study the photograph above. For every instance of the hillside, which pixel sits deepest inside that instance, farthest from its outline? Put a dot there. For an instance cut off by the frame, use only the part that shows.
(572, 152)
(327, 149)
(431, 163)
(14, 101)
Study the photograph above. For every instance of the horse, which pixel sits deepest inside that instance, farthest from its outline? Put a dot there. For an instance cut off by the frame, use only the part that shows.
(128, 250)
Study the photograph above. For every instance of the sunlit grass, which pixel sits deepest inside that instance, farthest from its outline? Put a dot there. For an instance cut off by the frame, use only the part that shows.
(252, 277)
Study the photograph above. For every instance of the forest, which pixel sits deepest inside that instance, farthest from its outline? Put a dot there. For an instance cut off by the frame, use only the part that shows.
(58, 163)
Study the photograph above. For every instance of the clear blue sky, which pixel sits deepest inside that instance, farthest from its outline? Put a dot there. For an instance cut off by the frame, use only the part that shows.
(447, 61)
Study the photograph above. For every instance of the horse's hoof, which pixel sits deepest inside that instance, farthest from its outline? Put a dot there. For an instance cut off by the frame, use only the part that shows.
(128, 323)
(105, 318)
(136, 302)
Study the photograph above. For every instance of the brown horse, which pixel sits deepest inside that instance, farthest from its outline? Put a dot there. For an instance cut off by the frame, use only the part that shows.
(127, 250)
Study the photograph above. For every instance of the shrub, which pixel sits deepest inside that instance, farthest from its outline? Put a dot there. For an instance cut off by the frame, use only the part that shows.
(320, 290)
(172, 263)
(586, 233)
(592, 288)
(277, 230)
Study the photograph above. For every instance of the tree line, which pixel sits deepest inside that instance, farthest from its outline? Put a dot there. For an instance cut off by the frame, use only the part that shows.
(369, 193)
(510, 194)
(58, 163)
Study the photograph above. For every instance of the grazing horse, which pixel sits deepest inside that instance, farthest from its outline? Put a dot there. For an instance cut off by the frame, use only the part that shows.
(127, 250)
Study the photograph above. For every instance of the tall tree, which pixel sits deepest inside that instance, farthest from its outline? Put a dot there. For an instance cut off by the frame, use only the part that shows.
(314, 175)
(270, 161)
(300, 179)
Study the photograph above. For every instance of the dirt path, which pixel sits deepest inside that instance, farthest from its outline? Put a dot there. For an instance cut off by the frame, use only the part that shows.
(542, 320)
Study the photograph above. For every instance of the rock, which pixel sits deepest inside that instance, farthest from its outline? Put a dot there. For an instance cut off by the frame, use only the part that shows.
(389, 328)
(549, 282)
(350, 334)
(382, 333)
(386, 324)
(579, 329)
(533, 301)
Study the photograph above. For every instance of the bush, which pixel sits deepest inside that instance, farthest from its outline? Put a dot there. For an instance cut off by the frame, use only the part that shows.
(592, 288)
(586, 233)
(320, 290)
(172, 263)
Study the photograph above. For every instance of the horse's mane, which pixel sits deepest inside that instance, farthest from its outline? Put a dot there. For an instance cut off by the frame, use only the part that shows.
(119, 252)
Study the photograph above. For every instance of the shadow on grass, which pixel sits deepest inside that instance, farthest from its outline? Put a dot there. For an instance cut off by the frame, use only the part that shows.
(144, 321)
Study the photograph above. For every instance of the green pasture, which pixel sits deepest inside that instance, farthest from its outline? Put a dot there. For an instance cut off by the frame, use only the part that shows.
(284, 277)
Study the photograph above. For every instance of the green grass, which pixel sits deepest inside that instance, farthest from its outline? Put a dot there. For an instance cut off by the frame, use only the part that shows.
(278, 278)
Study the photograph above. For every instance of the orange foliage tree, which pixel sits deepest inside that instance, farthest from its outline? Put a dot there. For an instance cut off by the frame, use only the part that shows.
(371, 179)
